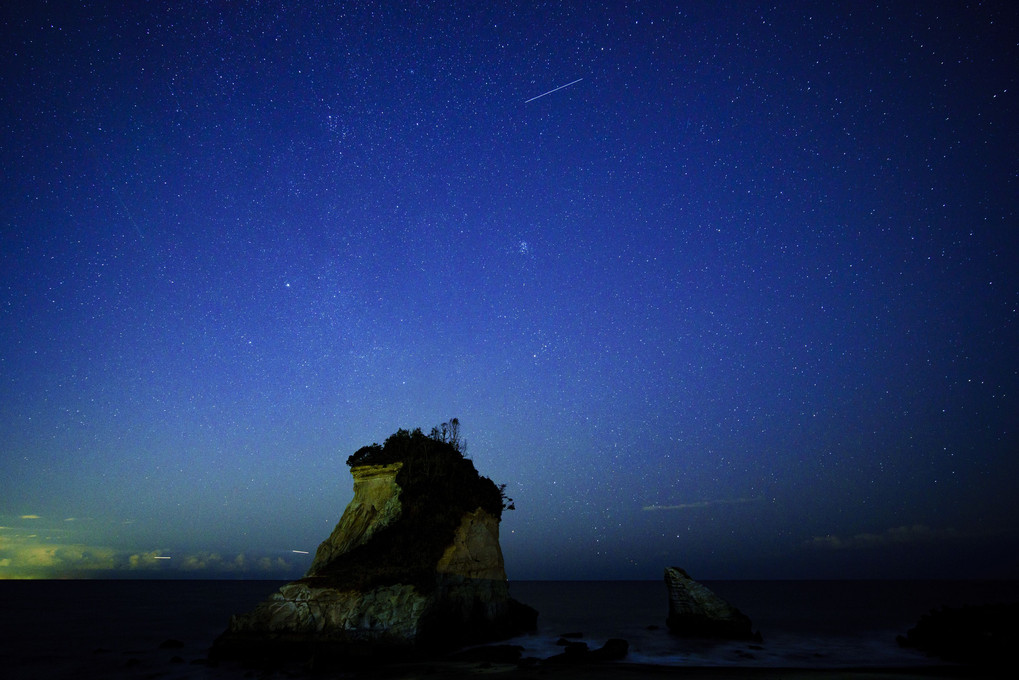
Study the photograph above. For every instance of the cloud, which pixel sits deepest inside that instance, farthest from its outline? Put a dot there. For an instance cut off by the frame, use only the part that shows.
(200, 562)
(26, 555)
(239, 564)
(901, 535)
(30, 557)
(147, 560)
(212, 563)
(59, 549)
(702, 504)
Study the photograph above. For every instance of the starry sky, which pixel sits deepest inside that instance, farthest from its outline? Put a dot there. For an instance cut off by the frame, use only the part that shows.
(729, 286)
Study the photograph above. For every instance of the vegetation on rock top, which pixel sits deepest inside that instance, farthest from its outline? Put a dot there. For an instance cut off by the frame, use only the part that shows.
(438, 486)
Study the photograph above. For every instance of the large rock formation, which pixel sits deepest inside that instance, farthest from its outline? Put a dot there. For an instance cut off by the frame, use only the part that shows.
(695, 611)
(413, 566)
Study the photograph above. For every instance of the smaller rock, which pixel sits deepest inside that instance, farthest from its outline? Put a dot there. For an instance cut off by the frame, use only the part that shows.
(573, 648)
(695, 611)
(614, 649)
(578, 653)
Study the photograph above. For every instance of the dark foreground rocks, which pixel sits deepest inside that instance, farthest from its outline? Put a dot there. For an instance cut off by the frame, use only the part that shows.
(574, 652)
(978, 635)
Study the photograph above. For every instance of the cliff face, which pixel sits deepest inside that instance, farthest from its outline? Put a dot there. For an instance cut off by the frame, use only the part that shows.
(375, 505)
(475, 552)
(413, 565)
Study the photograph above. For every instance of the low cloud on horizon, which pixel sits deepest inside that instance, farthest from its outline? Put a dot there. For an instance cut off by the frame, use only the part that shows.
(702, 504)
(916, 533)
(27, 554)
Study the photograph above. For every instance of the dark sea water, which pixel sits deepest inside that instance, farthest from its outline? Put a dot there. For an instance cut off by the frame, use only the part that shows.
(804, 624)
(114, 629)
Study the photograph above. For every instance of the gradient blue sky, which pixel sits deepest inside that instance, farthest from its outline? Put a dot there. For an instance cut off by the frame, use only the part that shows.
(743, 298)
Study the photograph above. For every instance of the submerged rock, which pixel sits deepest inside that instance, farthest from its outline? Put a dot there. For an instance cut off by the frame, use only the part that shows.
(695, 611)
(614, 649)
(413, 566)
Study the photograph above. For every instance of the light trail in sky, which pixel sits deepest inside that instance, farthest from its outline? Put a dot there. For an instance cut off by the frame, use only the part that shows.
(555, 90)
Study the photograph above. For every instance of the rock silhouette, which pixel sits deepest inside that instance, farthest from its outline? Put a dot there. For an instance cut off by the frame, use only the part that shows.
(695, 611)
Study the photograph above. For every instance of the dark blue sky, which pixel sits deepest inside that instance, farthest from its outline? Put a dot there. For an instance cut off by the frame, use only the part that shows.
(742, 298)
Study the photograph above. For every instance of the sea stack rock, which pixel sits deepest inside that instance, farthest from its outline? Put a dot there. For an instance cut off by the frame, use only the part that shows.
(695, 611)
(413, 567)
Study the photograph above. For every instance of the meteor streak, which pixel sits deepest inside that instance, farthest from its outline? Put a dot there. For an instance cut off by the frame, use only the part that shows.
(555, 90)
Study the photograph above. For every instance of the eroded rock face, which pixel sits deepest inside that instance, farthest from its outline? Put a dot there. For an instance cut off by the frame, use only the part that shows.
(387, 580)
(376, 504)
(297, 609)
(695, 611)
(475, 552)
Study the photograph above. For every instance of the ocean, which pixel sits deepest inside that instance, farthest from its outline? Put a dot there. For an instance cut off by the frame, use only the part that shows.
(163, 629)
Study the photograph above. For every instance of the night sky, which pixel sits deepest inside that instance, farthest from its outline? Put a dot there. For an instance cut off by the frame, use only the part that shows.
(741, 295)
